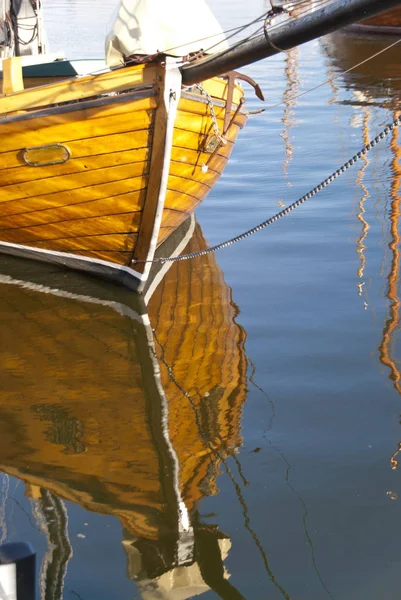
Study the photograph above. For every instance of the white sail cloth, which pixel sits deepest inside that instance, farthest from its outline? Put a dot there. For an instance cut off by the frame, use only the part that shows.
(175, 26)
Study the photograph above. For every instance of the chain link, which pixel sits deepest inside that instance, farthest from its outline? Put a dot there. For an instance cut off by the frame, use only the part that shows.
(286, 211)
(205, 93)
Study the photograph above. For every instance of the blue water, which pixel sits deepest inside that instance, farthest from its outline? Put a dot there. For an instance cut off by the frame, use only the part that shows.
(320, 514)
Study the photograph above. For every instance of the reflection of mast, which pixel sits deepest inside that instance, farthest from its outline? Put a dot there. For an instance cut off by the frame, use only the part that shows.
(392, 323)
(360, 215)
(57, 524)
(51, 515)
(289, 101)
(3, 502)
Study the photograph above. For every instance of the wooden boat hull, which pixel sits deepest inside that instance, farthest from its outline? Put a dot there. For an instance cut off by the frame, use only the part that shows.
(79, 177)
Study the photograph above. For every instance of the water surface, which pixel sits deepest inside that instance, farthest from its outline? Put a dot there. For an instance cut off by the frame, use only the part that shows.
(237, 435)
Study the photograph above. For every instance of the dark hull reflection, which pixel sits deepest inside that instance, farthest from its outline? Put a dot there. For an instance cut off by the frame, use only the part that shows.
(126, 407)
(388, 21)
(379, 79)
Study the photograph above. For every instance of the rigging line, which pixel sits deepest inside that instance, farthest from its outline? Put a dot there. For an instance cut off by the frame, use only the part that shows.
(237, 30)
(3, 513)
(262, 391)
(253, 533)
(232, 455)
(331, 79)
(300, 14)
(287, 476)
(233, 31)
(259, 19)
(239, 43)
(33, 524)
(259, 30)
(304, 517)
(74, 592)
(247, 521)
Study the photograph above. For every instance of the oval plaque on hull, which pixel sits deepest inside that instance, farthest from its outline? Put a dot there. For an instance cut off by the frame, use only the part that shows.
(42, 156)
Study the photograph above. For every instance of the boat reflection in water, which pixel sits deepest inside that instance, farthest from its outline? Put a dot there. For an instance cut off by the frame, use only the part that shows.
(387, 22)
(126, 407)
(367, 81)
(379, 78)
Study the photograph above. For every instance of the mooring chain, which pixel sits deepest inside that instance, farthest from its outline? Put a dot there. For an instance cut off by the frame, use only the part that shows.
(291, 207)
(220, 137)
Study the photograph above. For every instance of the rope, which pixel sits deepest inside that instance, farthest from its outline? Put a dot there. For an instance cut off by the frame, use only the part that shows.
(286, 211)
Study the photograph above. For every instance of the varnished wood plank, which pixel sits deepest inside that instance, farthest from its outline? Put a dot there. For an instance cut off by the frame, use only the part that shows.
(111, 224)
(81, 196)
(12, 75)
(164, 233)
(196, 107)
(105, 206)
(194, 172)
(189, 157)
(94, 148)
(31, 82)
(87, 112)
(198, 124)
(76, 181)
(23, 174)
(171, 220)
(203, 123)
(27, 137)
(194, 141)
(79, 88)
(190, 187)
(113, 143)
(217, 88)
(178, 201)
(123, 242)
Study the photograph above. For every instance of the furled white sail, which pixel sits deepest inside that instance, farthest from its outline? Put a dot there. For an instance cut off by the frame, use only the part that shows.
(177, 27)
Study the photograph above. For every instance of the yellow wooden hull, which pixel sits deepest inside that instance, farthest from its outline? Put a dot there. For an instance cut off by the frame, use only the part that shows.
(91, 210)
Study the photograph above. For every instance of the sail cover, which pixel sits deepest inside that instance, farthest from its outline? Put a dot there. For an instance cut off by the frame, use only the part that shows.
(176, 27)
